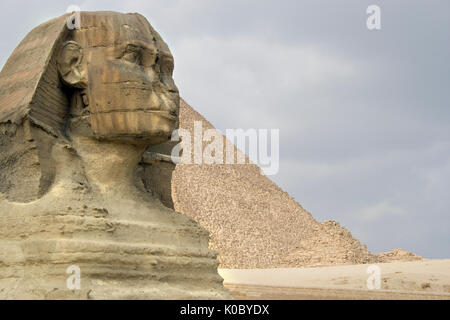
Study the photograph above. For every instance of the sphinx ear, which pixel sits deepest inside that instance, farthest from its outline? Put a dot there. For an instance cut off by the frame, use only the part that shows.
(69, 65)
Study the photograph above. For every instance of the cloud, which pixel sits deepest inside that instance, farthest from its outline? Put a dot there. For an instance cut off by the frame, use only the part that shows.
(379, 211)
(254, 80)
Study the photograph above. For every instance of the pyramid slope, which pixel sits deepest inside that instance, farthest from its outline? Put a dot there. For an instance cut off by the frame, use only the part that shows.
(252, 222)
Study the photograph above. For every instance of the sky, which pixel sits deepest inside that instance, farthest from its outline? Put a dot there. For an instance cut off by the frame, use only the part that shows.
(363, 114)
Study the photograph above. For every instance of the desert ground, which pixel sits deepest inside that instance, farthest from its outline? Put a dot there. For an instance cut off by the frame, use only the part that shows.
(425, 279)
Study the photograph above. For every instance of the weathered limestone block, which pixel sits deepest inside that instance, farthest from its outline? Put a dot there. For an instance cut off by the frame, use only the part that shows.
(78, 108)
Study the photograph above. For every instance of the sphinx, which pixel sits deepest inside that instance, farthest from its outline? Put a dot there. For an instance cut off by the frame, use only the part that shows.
(78, 108)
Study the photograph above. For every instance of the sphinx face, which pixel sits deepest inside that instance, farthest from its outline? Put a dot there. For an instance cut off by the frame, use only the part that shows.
(129, 70)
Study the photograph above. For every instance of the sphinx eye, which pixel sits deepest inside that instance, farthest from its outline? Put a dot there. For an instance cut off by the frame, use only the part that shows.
(167, 66)
(132, 54)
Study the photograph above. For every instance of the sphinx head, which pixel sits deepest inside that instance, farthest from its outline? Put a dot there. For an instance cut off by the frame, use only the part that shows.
(118, 72)
(108, 84)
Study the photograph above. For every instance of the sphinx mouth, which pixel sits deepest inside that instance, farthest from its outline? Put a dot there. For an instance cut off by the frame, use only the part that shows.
(162, 113)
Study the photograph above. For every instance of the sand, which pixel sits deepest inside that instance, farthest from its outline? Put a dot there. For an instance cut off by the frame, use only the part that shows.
(425, 279)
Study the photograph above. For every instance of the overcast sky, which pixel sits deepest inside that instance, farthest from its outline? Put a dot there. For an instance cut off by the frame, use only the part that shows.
(363, 115)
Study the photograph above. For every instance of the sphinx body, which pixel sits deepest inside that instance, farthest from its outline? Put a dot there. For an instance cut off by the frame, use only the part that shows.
(77, 110)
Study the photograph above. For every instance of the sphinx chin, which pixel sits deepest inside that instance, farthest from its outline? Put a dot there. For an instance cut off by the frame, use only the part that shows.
(149, 127)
